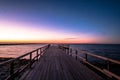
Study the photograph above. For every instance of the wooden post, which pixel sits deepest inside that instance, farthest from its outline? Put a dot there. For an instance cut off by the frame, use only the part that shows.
(40, 52)
(108, 65)
(68, 51)
(86, 57)
(49, 45)
(65, 49)
(76, 52)
(30, 60)
(71, 51)
(108, 68)
(37, 54)
(12, 68)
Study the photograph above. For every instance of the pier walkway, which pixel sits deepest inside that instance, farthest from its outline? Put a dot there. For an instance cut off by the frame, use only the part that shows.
(55, 64)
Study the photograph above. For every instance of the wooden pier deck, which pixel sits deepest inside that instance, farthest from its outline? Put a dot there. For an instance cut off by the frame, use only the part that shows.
(55, 64)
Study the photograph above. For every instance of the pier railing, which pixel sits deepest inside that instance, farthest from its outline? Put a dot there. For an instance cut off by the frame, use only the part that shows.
(106, 71)
(20, 64)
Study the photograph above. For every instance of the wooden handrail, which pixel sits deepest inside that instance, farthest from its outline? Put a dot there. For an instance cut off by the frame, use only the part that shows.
(101, 57)
(85, 60)
(14, 72)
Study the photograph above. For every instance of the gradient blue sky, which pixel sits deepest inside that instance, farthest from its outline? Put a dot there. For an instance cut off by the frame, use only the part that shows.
(79, 21)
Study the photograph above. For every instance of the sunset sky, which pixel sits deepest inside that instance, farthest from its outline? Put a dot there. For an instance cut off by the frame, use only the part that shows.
(60, 21)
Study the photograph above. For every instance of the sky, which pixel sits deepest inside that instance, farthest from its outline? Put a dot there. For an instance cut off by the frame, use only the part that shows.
(60, 21)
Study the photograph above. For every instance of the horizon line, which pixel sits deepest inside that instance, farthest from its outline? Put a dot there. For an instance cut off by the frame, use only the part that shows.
(17, 43)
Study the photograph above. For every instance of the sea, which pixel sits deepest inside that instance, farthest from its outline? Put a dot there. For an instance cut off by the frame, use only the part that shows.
(13, 51)
(111, 51)
(107, 50)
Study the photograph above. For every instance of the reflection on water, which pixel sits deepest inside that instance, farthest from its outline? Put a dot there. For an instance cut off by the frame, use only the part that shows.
(17, 50)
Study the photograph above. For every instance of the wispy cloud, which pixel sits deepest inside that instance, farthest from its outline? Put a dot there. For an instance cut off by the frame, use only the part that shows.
(70, 38)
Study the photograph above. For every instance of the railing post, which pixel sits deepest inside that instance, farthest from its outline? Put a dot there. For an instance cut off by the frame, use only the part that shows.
(108, 68)
(70, 52)
(76, 52)
(30, 60)
(12, 69)
(86, 57)
(37, 54)
(48, 45)
(108, 65)
(40, 51)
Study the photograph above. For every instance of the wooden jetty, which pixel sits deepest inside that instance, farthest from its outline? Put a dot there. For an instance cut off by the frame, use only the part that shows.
(55, 64)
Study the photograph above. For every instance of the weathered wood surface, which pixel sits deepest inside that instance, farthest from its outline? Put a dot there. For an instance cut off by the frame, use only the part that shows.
(56, 65)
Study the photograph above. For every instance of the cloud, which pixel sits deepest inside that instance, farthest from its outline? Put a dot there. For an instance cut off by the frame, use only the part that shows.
(70, 38)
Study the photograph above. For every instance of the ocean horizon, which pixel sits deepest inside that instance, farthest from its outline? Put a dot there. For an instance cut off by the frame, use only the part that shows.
(107, 50)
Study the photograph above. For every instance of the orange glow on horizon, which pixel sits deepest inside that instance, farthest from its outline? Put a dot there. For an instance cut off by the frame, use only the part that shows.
(48, 41)
(21, 33)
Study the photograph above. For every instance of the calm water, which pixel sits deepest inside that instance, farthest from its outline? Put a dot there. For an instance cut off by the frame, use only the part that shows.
(110, 51)
(107, 50)
(17, 50)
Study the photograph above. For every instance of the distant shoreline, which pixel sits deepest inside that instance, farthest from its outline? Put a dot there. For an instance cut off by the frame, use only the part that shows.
(20, 43)
(58, 43)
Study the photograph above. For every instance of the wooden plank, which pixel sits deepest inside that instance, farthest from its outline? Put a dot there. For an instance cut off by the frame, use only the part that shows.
(55, 64)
